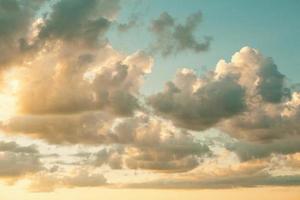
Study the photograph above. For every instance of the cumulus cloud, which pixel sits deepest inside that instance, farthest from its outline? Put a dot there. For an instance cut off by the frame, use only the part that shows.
(84, 94)
(247, 98)
(80, 76)
(108, 86)
(173, 37)
(24, 34)
(196, 103)
(258, 74)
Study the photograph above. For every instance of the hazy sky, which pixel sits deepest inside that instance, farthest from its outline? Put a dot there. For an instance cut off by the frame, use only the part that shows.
(149, 99)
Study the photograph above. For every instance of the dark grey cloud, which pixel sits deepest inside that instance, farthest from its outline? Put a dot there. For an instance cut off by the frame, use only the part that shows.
(198, 108)
(252, 150)
(16, 17)
(173, 37)
(79, 21)
(271, 83)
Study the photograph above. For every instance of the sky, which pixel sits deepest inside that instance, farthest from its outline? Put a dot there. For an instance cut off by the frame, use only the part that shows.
(114, 99)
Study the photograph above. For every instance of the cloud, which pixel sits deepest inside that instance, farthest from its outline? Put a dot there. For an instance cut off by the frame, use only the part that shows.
(293, 160)
(247, 98)
(15, 20)
(228, 182)
(197, 104)
(124, 27)
(80, 86)
(173, 37)
(146, 143)
(80, 178)
(140, 142)
(252, 67)
(157, 145)
(91, 21)
(14, 147)
(264, 123)
(84, 179)
(105, 80)
(17, 161)
(112, 157)
(252, 150)
(80, 79)
(31, 26)
(80, 128)
(85, 93)
(109, 155)
(248, 174)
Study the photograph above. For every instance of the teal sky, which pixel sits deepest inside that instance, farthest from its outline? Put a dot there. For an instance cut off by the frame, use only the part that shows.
(271, 26)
